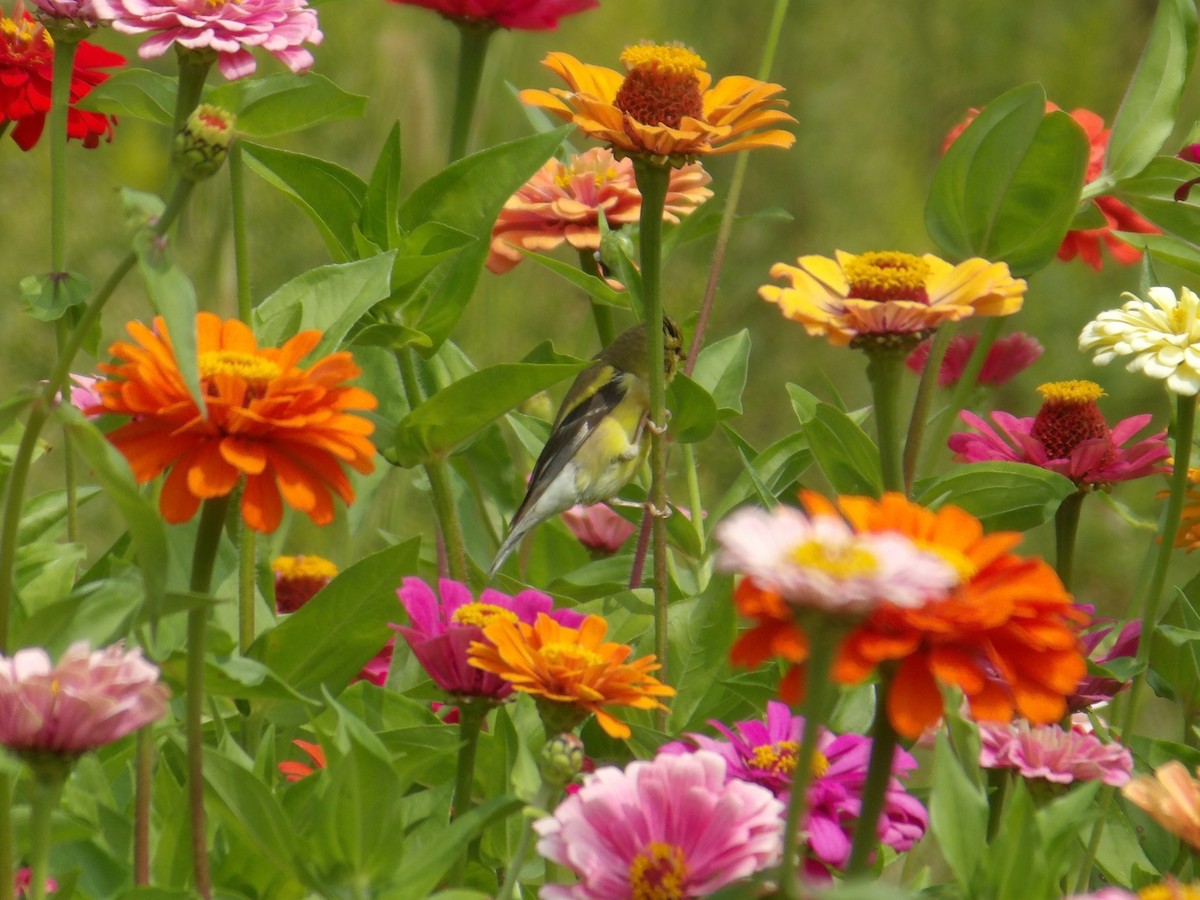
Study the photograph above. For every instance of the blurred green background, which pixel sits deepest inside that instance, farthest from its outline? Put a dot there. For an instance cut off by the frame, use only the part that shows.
(874, 87)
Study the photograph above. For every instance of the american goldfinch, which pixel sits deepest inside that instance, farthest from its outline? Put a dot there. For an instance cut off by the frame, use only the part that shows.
(599, 437)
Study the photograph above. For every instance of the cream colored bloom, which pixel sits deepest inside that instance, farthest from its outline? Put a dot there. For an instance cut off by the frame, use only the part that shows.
(1161, 333)
(1172, 798)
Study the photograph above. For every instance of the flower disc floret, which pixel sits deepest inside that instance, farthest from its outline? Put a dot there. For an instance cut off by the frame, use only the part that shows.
(1161, 333)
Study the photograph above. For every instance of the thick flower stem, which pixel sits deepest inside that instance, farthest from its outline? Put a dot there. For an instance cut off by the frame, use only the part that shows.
(652, 181)
(962, 390)
(241, 245)
(1066, 526)
(208, 539)
(47, 787)
(606, 328)
(879, 774)
(885, 367)
(817, 704)
(545, 796)
(471, 716)
(143, 779)
(472, 50)
(922, 402)
(193, 70)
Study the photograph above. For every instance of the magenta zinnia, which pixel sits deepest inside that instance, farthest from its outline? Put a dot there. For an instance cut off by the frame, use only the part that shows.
(1006, 358)
(529, 15)
(673, 827)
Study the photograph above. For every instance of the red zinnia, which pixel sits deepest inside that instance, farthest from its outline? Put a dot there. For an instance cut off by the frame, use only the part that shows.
(26, 69)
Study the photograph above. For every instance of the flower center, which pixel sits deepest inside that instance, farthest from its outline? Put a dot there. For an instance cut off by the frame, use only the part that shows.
(482, 614)
(24, 41)
(658, 873)
(780, 759)
(661, 87)
(1069, 416)
(571, 656)
(254, 369)
(303, 567)
(887, 276)
(840, 561)
(1171, 892)
(962, 566)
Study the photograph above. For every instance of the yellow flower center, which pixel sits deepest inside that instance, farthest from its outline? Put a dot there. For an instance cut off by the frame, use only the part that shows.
(840, 562)
(1171, 892)
(1068, 417)
(658, 873)
(303, 567)
(567, 175)
(1071, 391)
(24, 36)
(661, 87)
(887, 276)
(780, 759)
(482, 614)
(1178, 321)
(254, 369)
(570, 656)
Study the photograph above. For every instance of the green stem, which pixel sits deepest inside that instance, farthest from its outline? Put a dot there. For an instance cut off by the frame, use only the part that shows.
(885, 367)
(241, 246)
(652, 182)
(193, 70)
(471, 714)
(819, 695)
(545, 796)
(1000, 780)
(962, 390)
(1066, 526)
(247, 568)
(144, 776)
(47, 787)
(602, 314)
(922, 402)
(879, 774)
(695, 506)
(208, 540)
(472, 50)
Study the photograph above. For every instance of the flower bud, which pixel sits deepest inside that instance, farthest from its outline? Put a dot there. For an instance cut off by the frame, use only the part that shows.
(561, 760)
(203, 143)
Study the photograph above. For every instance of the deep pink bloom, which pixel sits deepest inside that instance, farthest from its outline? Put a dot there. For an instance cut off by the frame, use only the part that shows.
(1095, 689)
(23, 883)
(531, 15)
(1007, 357)
(1053, 753)
(231, 28)
(676, 820)
(377, 668)
(597, 527)
(1068, 436)
(443, 628)
(86, 701)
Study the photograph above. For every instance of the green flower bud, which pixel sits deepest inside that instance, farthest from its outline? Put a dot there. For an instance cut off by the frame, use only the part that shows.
(562, 758)
(203, 143)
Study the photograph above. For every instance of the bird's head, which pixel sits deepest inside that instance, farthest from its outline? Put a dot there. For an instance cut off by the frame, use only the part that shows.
(628, 351)
(673, 351)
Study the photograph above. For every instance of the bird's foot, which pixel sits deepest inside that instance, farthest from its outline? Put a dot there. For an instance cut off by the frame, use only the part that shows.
(660, 429)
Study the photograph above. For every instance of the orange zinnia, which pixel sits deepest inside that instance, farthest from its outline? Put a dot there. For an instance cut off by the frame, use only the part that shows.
(282, 429)
(664, 106)
(1006, 636)
(572, 669)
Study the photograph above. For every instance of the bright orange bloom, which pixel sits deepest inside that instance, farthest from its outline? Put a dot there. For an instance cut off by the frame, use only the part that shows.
(281, 429)
(294, 770)
(888, 293)
(664, 107)
(571, 667)
(1006, 636)
(1189, 523)
(1172, 798)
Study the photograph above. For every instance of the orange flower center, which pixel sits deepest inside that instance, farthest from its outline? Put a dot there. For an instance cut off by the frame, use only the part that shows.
(887, 276)
(658, 873)
(24, 41)
(255, 370)
(840, 562)
(565, 655)
(303, 567)
(1069, 416)
(482, 614)
(661, 87)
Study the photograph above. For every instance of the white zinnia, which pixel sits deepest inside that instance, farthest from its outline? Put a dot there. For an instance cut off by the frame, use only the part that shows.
(1162, 334)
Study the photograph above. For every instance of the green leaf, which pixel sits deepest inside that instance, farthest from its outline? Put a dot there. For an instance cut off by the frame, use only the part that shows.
(329, 298)
(330, 195)
(1008, 187)
(701, 632)
(285, 102)
(1005, 496)
(1147, 114)
(804, 403)
(174, 299)
(41, 515)
(382, 202)
(138, 93)
(776, 468)
(721, 370)
(1152, 193)
(1166, 248)
(458, 411)
(48, 299)
(844, 452)
(240, 676)
(394, 337)
(693, 410)
(596, 288)
(958, 814)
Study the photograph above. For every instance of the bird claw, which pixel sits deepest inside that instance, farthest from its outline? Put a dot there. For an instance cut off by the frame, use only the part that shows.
(656, 512)
(660, 429)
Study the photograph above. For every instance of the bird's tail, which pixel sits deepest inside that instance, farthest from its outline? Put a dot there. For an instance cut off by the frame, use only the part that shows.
(520, 527)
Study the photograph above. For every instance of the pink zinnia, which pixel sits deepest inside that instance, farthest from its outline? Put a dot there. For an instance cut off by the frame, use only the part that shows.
(1068, 436)
(676, 826)
(530, 15)
(230, 28)
(1095, 689)
(378, 666)
(1053, 753)
(1007, 357)
(86, 701)
(597, 527)
(443, 628)
(23, 883)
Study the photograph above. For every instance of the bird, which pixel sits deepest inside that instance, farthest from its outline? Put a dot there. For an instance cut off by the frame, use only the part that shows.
(599, 436)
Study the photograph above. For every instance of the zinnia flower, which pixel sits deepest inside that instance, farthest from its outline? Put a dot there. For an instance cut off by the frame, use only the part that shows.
(571, 672)
(563, 201)
(229, 28)
(887, 293)
(1094, 689)
(378, 666)
(294, 770)
(1007, 358)
(23, 883)
(820, 561)
(1171, 797)
(1053, 753)
(89, 699)
(672, 827)
(664, 107)
(298, 579)
(1162, 334)
(1189, 521)
(1068, 436)
(26, 70)
(528, 15)
(597, 527)
(282, 431)
(765, 753)
(444, 625)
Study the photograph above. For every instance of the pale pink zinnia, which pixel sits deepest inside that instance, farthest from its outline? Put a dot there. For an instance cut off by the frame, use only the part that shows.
(1007, 357)
(230, 28)
(674, 826)
(1053, 753)
(443, 628)
(1069, 436)
(528, 15)
(820, 561)
(563, 202)
(597, 527)
(89, 699)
